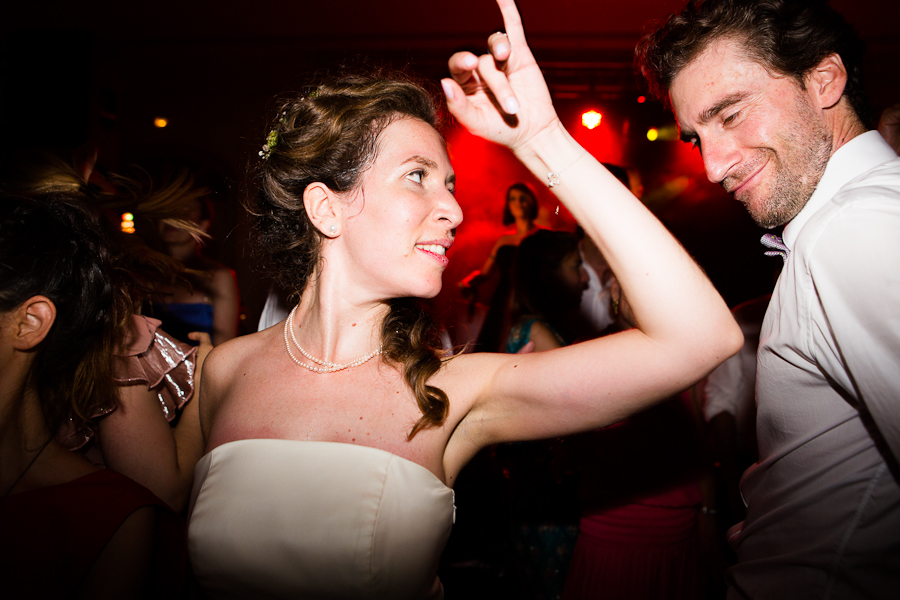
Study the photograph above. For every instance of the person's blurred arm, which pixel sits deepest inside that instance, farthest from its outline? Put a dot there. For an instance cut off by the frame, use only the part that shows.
(226, 305)
(138, 442)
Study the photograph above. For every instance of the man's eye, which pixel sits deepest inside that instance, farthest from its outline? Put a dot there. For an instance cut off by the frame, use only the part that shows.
(416, 176)
(731, 118)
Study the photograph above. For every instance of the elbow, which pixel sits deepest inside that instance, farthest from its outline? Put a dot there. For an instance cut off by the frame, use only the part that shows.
(734, 339)
(728, 340)
(713, 342)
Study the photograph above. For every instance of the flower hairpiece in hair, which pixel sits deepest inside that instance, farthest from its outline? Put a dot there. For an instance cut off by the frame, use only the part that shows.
(272, 139)
(271, 142)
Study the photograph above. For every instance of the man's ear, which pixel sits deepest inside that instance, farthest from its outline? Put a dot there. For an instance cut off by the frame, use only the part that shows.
(34, 318)
(827, 80)
(324, 208)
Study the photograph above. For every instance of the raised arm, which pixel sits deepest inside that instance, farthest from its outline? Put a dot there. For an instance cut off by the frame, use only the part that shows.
(684, 329)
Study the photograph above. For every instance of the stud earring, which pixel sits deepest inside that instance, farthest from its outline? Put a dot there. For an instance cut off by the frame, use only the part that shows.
(333, 229)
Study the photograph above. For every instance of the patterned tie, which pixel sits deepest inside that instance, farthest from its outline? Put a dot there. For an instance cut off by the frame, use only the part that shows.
(770, 240)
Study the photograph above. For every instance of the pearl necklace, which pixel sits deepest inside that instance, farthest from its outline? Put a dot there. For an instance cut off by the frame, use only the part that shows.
(324, 365)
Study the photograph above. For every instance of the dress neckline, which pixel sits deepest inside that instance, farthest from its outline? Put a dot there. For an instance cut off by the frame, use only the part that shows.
(362, 449)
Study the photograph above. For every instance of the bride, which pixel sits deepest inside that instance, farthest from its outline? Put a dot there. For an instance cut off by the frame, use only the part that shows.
(334, 439)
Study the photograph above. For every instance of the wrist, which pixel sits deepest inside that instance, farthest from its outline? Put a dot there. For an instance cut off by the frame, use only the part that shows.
(550, 152)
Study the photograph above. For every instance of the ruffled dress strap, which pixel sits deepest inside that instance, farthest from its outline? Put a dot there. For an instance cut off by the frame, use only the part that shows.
(165, 365)
(151, 357)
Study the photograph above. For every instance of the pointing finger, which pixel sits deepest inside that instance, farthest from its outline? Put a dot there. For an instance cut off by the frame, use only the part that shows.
(512, 22)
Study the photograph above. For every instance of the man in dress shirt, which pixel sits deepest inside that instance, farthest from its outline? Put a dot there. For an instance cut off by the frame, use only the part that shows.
(770, 93)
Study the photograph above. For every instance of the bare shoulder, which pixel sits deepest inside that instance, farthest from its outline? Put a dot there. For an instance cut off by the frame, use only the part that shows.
(243, 354)
(222, 274)
(223, 280)
(221, 361)
(228, 364)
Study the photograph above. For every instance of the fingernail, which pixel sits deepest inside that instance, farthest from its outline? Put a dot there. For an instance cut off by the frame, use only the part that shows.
(470, 62)
(512, 105)
(448, 91)
(501, 48)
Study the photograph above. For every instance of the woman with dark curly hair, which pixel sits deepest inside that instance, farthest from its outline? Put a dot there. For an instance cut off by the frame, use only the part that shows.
(146, 428)
(334, 441)
(69, 527)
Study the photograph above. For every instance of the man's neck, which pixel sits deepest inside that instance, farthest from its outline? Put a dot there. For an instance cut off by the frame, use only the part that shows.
(844, 125)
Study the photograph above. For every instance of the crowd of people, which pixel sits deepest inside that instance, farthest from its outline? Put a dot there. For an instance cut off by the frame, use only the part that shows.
(612, 394)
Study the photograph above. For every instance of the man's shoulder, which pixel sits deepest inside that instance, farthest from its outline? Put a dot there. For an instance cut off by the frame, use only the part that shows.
(872, 197)
(882, 181)
(861, 221)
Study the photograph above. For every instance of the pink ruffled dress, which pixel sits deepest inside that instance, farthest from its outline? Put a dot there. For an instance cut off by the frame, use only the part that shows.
(148, 357)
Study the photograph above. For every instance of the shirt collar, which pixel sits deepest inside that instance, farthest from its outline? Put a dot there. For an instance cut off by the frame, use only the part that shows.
(860, 155)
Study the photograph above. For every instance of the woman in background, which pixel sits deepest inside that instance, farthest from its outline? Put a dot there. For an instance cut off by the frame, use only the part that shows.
(69, 528)
(210, 302)
(521, 210)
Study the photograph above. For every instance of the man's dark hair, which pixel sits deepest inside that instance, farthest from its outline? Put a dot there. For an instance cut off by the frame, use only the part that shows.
(788, 37)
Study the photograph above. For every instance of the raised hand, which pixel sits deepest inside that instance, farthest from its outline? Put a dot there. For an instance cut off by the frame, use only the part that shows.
(501, 96)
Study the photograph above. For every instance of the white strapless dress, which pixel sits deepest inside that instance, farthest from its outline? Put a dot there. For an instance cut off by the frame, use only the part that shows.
(291, 519)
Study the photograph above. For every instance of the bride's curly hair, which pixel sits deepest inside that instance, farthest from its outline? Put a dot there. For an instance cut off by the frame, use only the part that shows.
(329, 134)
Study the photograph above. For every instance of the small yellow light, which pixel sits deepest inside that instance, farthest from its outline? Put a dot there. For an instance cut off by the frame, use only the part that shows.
(127, 217)
(591, 119)
(160, 122)
(652, 134)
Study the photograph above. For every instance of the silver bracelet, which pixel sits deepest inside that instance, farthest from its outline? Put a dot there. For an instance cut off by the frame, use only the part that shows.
(553, 180)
